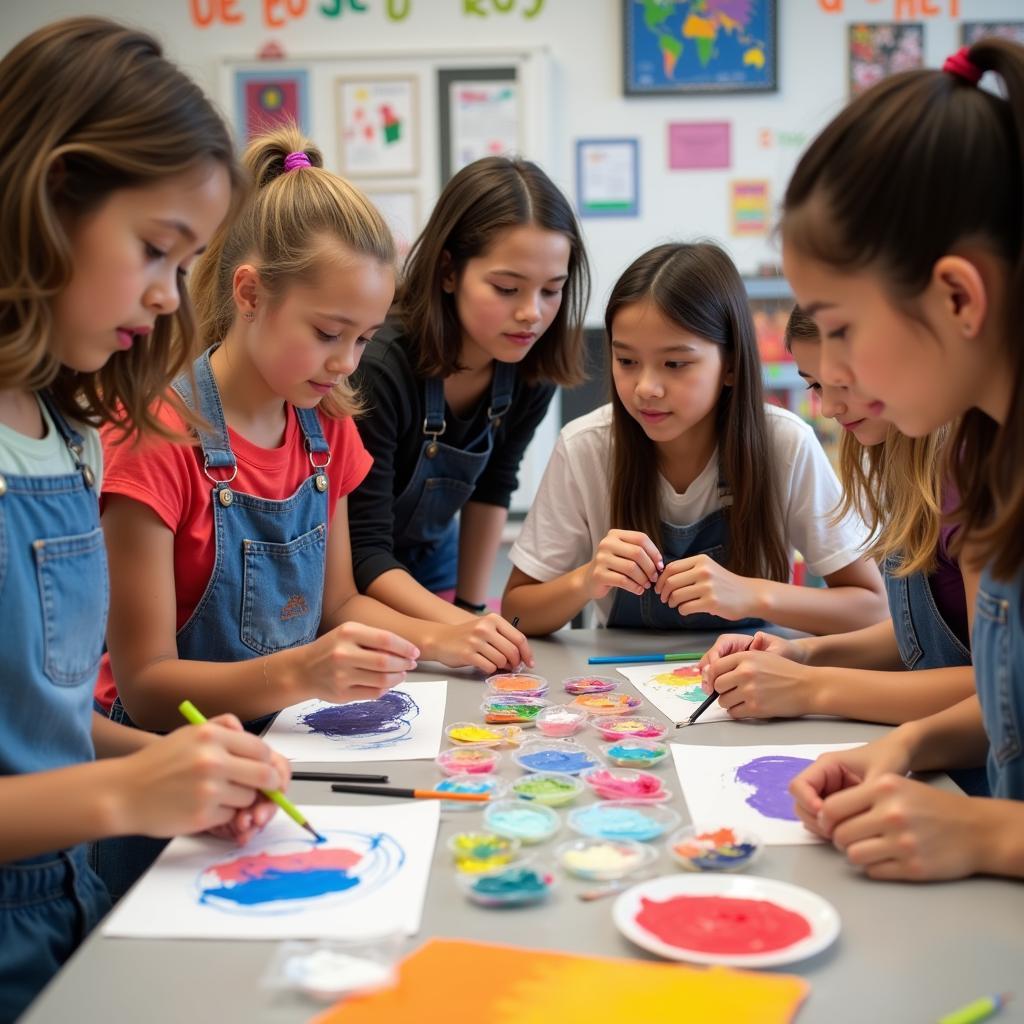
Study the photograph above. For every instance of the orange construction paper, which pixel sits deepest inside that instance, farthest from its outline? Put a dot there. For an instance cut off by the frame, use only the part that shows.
(451, 982)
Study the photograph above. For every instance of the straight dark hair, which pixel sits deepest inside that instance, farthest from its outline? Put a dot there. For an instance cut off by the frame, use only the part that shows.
(697, 287)
(483, 199)
(892, 184)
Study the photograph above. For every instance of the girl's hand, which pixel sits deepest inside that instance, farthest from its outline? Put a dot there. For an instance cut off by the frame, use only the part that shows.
(755, 684)
(896, 828)
(700, 584)
(625, 559)
(488, 642)
(842, 770)
(355, 662)
(734, 643)
(197, 778)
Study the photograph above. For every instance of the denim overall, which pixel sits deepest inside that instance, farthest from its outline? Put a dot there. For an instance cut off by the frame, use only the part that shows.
(54, 592)
(265, 592)
(426, 533)
(708, 536)
(998, 645)
(925, 641)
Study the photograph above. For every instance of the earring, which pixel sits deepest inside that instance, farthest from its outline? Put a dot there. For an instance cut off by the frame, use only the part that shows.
(249, 315)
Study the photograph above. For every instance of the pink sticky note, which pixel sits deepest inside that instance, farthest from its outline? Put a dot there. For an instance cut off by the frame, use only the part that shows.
(699, 145)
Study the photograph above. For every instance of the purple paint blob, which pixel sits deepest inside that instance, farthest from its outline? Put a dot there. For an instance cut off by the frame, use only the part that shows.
(770, 776)
(387, 719)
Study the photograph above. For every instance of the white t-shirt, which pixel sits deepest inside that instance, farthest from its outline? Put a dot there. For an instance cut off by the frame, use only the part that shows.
(48, 455)
(570, 515)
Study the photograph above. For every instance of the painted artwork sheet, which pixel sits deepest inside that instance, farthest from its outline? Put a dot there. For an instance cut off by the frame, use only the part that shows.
(505, 985)
(403, 725)
(369, 877)
(674, 689)
(746, 787)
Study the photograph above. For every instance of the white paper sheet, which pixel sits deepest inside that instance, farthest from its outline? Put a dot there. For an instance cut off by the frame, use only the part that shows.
(369, 878)
(404, 725)
(674, 689)
(745, 787)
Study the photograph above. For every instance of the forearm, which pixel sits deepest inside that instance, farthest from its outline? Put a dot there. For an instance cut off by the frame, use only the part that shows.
(114, 740)
(480, 528)
(370, 612)
(249, 689)
(873, 647)
(953, 738)
(399, 591)
(1002, 822)
(819, 610)
(545, 607)
(57, 809)
(889, 697)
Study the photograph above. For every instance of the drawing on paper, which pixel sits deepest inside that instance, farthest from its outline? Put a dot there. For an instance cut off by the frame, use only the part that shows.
(365, 724)
(770, 777)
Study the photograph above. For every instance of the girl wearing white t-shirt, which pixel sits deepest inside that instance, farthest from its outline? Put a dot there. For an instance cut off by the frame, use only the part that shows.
(678, 505)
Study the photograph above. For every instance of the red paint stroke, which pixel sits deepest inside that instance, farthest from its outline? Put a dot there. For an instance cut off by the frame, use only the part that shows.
(260, 864)
(718, 924)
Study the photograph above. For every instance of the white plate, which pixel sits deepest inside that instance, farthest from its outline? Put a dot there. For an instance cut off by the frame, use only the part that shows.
(819, 913)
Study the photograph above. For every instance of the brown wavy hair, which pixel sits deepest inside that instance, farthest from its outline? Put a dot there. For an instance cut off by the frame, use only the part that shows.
(281, 230)
(483, 199)
(895, 487)
(892, 184)
(697, 287)
(88, 107)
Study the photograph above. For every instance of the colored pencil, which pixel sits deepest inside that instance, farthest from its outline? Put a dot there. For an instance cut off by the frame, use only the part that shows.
(418, 794)
(708, 701)
(979, 1010)
(337, 777)
(196, 717)
(644, 659)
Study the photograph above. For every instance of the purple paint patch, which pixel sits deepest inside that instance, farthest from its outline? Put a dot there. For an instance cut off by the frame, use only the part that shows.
(770, 776)
(381, 722)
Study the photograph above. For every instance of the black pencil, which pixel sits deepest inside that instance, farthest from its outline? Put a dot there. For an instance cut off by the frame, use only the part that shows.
(337, 777)
(708, 701)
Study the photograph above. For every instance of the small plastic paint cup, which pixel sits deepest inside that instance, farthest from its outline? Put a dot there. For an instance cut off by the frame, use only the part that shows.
(562, 756)
(714, 849)
(466, 783)
(517, 885)
(612, 727)
(624, 819)
(520, 684)
(483, 735)
(528, 822)
(325, 969)
(626, 784)
(559, 721)
(478, 852)
(553, 789)
(471, 760)
(603, 860)
(635, 753)
(589, 684)
(502, 709)
(606, 703)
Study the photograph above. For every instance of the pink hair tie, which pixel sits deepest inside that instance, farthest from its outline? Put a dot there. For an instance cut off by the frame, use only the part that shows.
(962, 66)
(297, 159)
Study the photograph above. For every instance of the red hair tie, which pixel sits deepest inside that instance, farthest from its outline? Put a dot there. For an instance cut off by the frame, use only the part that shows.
(961, 65)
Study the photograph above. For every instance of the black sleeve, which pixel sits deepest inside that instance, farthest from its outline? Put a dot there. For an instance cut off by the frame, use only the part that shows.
(388, 392)
(501, 475)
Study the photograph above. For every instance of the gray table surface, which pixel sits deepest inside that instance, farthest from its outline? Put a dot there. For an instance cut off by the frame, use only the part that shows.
(906, 953)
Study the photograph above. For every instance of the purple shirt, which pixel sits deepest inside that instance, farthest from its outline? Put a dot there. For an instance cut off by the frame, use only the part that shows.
(946, 582)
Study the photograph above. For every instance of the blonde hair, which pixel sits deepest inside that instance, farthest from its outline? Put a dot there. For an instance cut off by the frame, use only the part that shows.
(88, 107)
(281, 230)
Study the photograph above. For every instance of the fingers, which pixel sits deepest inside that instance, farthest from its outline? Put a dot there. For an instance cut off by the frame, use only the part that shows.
(228, 721)
(618, 568)
(762, 642)
(517, 638)
(379, 640)
(638, 547)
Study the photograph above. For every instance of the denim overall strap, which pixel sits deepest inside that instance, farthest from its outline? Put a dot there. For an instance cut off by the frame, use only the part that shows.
(204, 395)
(54, 591)
(998, 645)
(426, 532)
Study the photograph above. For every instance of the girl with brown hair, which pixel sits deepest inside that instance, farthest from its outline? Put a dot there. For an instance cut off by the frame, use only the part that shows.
(677, 506)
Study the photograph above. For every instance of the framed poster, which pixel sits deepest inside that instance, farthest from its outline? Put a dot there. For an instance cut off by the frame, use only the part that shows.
(378, 126)
(882, 49)
(478, 115)
(400, 207)
(972, 31)
(608, 177)
(688, 46)
(699, 145)
(269, 97)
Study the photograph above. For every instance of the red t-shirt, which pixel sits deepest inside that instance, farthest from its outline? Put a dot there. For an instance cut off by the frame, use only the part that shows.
(169, 479)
